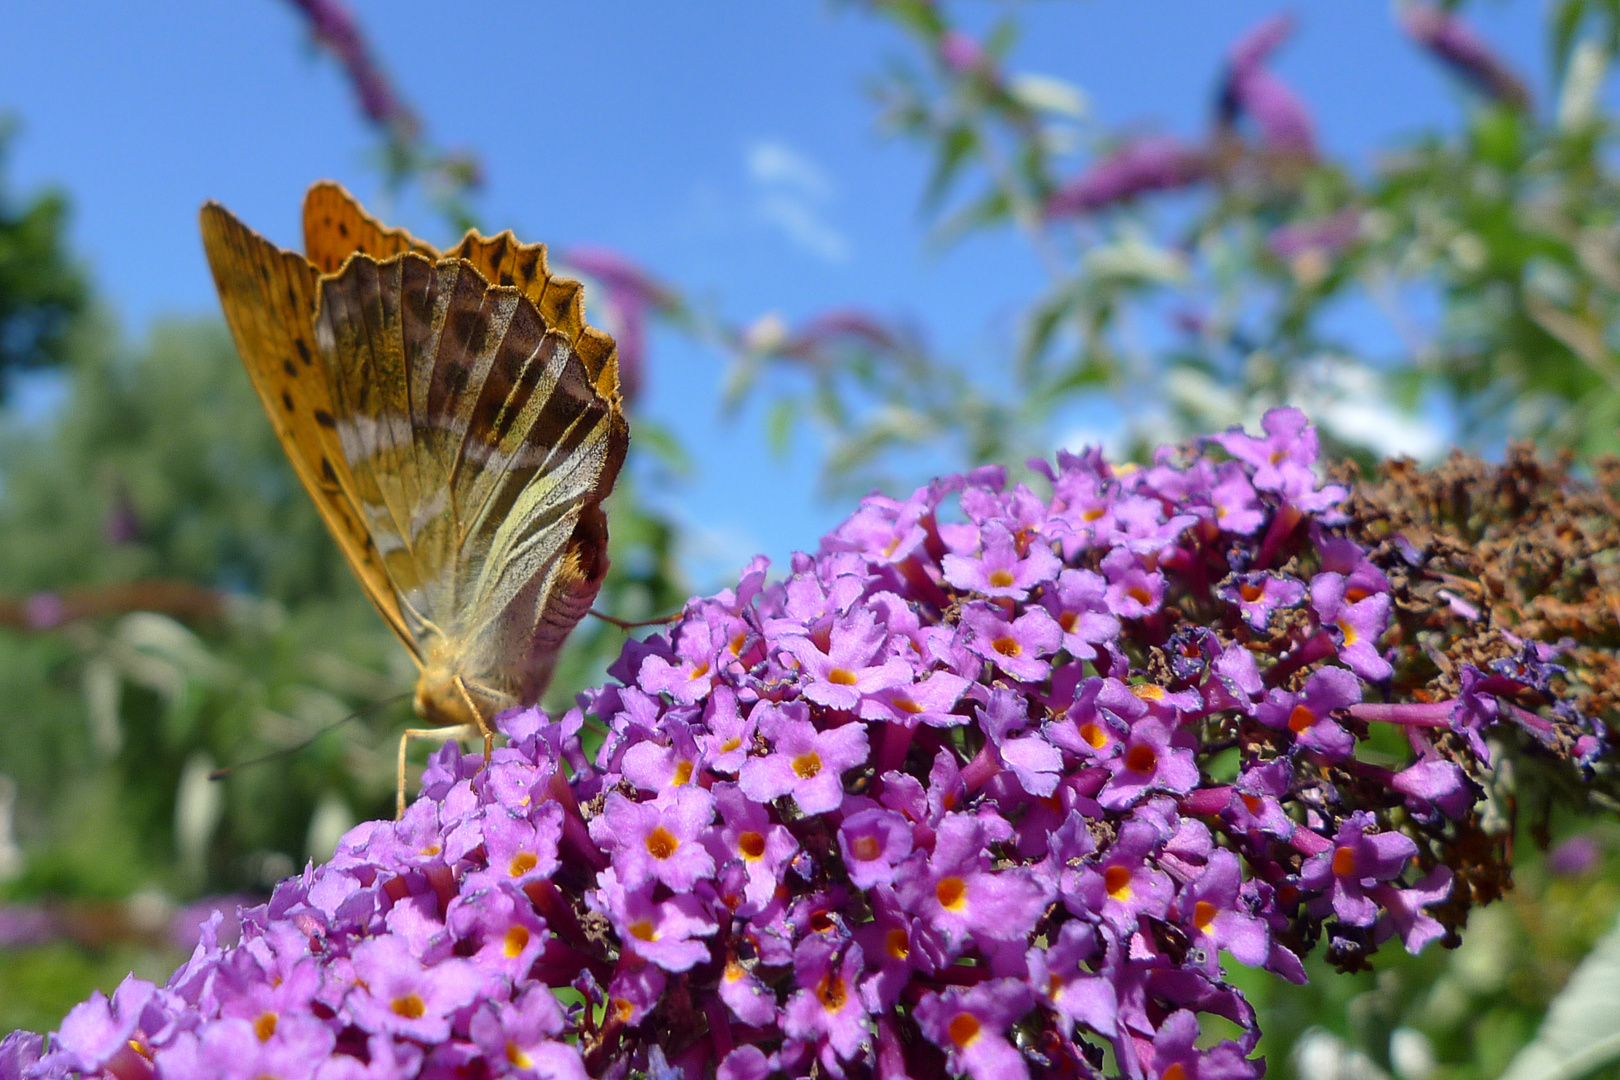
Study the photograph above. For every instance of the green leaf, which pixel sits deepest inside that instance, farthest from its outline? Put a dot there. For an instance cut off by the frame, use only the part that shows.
(1582, 1030)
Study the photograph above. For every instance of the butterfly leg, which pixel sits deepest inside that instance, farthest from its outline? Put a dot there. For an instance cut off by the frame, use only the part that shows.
(441, 734)
(483, 725)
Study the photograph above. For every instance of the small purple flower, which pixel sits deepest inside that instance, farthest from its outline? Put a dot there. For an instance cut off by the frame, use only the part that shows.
(971, 1026)
(1237, 507)
(850, 668)
(956, 892)
(1283, 460)
(1309, 714)
(1078, 601)
(1256, 596)
(1175, 1057)
(688, 676)
(658, 840)
(827, 1004)
(1018, 647)
(1064, 974)
(1001, 569)
(522, 1034)
(396, 995)
(805, 763)
(728, 734)
(1211, 910)
(1357, 860)
(662, 932)
(1437, 782)
(873, 843)
(1154, 759)
(1124, 885)
(1403, 909)
(931, 701)
(748, 998)
(1359, 626)
(97, 1033)
(233, 1049)
(748, 835)
(1133, 590)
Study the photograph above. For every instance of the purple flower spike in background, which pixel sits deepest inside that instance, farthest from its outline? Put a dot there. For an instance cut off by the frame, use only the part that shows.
(991, 794)
(1448, 37)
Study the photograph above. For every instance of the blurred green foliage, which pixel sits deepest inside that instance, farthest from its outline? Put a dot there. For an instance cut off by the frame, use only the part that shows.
(1206, 279)
(41, 288)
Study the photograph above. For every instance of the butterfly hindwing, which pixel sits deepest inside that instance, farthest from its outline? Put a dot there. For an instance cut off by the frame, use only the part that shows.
(479, 442)
(269, 299)
(335, 227)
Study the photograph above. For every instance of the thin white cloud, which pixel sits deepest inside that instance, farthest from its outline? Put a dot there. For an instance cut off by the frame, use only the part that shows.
(773, 162)
(791, 194)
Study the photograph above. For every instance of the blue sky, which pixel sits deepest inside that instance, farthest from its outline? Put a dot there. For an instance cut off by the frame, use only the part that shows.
(729, 147)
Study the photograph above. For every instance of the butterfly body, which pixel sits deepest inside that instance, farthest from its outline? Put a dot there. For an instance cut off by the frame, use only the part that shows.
(457, 424)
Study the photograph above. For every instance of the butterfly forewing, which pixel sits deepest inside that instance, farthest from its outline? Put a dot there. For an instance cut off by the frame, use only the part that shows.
(269, 299)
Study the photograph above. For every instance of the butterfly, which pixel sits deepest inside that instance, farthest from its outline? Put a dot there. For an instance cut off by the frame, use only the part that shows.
(458, 426)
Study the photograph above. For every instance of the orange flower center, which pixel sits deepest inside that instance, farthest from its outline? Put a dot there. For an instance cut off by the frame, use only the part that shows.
(841, 677)
(1344, 862)
(866, 848)
(1300, 720)
(265, 1026)
(683, 773)
(1007, 647)
(951, 893)
(1141, 758)
(1117, 880)
(964, 1030)
(661, 843)
(517, 939)
(1094, 734)
(1251, 593)
(1001, 579)
(832, 992)
(752, 845)
(522, 863)
(642, 930)
(1140, 594)
(411, 1007)
(1204, 913)
(898, 945)
(807, 765)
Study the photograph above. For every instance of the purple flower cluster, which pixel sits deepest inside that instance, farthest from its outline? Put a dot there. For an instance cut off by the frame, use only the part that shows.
(986, 787)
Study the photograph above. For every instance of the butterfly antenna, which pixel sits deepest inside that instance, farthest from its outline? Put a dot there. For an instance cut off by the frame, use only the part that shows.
(626, 625)
(298, 748)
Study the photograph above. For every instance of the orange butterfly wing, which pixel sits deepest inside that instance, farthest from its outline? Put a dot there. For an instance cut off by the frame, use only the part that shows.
(335, 227)
(269, 297)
